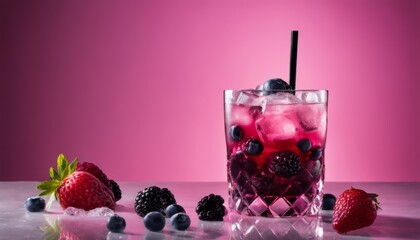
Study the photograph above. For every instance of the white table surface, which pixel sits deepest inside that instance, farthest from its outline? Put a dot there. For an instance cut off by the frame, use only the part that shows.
(398, 219)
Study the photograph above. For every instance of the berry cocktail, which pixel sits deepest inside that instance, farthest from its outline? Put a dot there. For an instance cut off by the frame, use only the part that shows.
(275, 140)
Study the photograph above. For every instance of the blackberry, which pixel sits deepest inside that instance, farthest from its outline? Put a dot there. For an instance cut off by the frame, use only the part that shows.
(284, 164)
(149, 200)
(116, 190)
(210, 208)
(167, 198)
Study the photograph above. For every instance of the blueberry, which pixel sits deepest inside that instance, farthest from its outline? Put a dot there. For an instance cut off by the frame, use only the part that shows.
(316, 153)
(180, 221)
(173, 209)
(35, 204)
(328, 201)
(254, 147)
(236, 133)
(116, 224)
(274, 85)
(304, 145)
(154, 221)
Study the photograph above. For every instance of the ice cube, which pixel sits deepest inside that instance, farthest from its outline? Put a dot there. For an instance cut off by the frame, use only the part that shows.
(71, 211)
(100, 212)
(312, 116)
(249, 98)
(272, 129)
(282, 98)
(279, 102)
(240, 115)
(310, 97)
(97, 212)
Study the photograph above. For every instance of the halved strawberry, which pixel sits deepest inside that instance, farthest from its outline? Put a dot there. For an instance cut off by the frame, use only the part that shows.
(77, 189)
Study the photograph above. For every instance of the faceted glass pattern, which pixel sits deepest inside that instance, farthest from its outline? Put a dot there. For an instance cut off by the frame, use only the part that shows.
(275, 151)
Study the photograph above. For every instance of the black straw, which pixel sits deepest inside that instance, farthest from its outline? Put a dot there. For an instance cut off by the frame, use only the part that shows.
(293, 59)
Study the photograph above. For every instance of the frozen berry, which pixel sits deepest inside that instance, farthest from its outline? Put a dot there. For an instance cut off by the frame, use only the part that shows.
(236, 133)
(154, 221)
(328, 201)
(275, 85)
(240, 162)
(35, 204)
(262, 181)
(304, 145)
(284, 164)
(210, 208)
(316, 153)
(174, 209)
(115, 189)
(253, 147)
(180, 221)
(116, 224)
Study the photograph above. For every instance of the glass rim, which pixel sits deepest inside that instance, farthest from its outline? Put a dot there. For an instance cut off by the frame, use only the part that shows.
(282, 90)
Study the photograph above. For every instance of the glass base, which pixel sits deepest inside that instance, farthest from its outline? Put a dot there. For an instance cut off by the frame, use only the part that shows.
(292, 202)
(245, 227)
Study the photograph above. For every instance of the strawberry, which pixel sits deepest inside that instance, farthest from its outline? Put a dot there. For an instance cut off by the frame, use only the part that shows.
(94, 170)
(354, 209)
(77, 189)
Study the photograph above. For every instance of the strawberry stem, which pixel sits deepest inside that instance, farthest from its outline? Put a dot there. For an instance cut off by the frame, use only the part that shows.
(64, 169)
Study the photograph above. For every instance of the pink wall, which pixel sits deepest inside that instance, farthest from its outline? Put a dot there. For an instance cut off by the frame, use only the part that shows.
(136, 86)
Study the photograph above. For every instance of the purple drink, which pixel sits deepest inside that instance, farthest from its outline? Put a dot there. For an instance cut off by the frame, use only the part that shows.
(276, 144)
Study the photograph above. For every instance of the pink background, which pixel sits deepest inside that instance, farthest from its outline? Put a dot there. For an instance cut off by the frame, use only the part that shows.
(136, 86)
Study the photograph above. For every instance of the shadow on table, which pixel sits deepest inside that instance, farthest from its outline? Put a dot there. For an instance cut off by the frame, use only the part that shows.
(204, 230)
(122, 208)
(388, 227)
